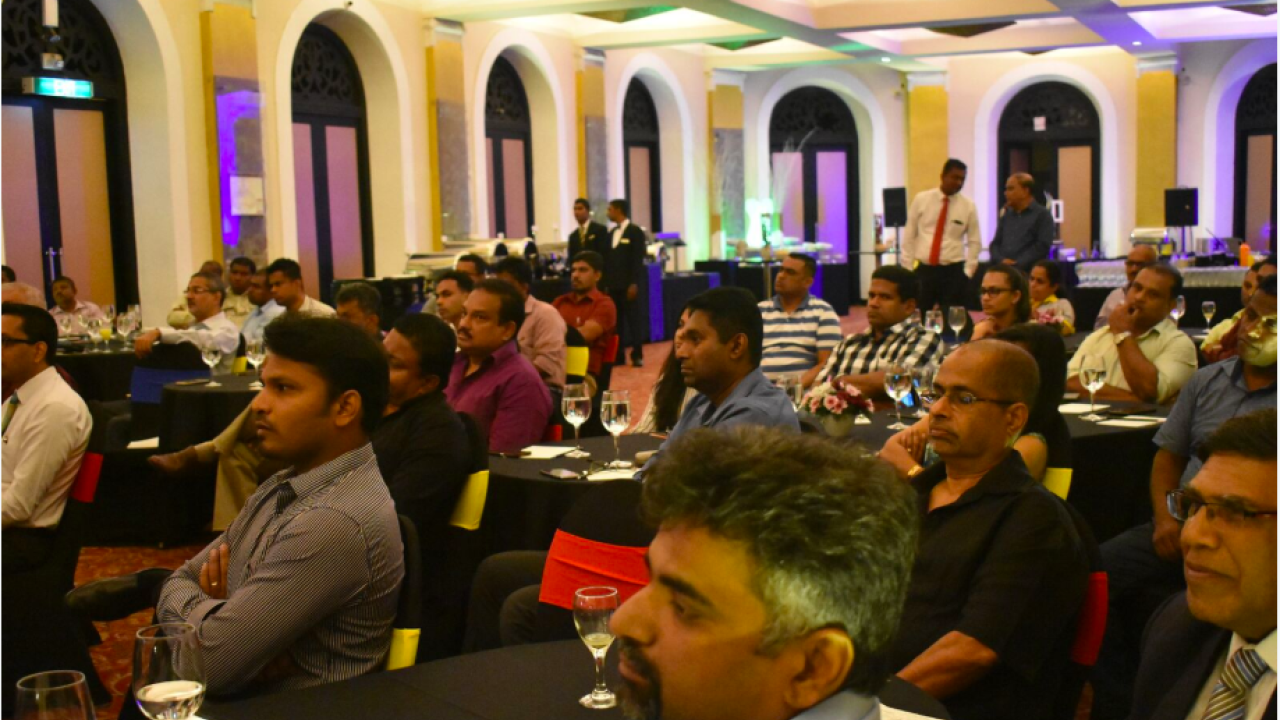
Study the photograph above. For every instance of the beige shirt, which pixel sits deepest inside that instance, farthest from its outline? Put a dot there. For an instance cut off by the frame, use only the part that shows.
(237, 308)
(42, 450)
(312, 307)
(1256, 704)
(1167, 347)
(961, 239)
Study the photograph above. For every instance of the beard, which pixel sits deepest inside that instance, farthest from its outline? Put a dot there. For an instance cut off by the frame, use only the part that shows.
(639, 702)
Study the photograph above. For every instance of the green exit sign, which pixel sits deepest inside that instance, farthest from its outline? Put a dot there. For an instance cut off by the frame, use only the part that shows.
(58, 87)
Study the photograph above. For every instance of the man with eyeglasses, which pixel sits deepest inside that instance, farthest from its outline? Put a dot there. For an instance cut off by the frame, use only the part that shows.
(1139, 257)
(205, 292)
(1211, 652)
(1000, 573)
(1220, 343)
(1144, 563)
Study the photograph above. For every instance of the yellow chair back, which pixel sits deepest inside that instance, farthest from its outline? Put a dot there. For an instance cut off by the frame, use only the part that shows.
(576, 360)
(1058, 481)
(404, 648)
(466, 514)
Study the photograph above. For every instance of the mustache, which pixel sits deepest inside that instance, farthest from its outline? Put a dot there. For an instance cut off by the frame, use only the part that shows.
(640, 704)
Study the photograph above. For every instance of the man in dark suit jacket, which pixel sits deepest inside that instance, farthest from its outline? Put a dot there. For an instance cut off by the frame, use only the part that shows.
(623, 275)
(1211, 652)
(589, 235)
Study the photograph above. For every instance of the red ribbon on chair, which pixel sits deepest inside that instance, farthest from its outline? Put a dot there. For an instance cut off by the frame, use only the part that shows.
(576, 562)
(1092, 622)
(86, 483)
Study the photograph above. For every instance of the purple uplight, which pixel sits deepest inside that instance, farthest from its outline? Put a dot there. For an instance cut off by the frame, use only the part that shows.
(234, 108)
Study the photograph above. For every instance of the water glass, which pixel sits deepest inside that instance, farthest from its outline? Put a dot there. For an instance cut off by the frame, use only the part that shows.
(93, 326)
(897, 384)
(593, 608)
(575, 405)
(1179, 309)
(1093, 373)
(168, 671)
(615, 413)
(957, 318)
(933, 321)
(254, 354)
(211, 356)
(1209, 308)
(64, 325)
(922, 378)
(53, 695)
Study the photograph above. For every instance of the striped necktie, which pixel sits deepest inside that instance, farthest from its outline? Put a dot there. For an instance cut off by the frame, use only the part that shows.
(9, 409)
(1232, 691)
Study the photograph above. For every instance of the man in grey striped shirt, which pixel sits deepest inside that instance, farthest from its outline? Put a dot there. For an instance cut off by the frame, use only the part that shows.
(862, 359)
(800, 330)
(301, 589)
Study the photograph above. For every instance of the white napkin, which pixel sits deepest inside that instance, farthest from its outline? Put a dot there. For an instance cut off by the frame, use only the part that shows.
(613, 475)
(1127, 423)
(888, 713)
(1078, 408)
(545, 452)
(147, 444)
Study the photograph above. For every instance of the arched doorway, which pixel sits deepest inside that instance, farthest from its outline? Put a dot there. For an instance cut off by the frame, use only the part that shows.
(642, 155)
(813, 141)
(508, 133)
(68, 203)
(1255, 181)
(330, 163)
(1051, 131)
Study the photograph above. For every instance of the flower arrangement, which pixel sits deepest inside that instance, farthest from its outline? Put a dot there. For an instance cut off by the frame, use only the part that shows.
(836, 399)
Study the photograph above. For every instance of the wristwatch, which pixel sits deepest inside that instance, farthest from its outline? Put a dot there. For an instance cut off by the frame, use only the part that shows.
(1121, 337)
(914, 471)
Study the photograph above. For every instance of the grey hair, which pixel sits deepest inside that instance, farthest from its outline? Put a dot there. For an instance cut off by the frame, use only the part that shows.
(831, 531)
(25, 294)
(216, 284)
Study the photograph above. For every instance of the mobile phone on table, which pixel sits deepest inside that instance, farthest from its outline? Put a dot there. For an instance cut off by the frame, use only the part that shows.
(561, 474)
(193, 381)
(1123, 411)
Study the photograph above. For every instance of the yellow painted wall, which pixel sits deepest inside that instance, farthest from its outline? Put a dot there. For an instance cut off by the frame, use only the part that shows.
(726, 107)
(590, 96)
(926, 137)
(1157, 107)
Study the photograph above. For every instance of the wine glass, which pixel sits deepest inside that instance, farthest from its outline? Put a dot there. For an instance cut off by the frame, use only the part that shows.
(64, 325)
(53, 695)
(109, 313)
(576, 408)
(933, 321)
(922, 377)
(957, 318)
(125, 325)
(254, 354)
(1179, 309)
(168, 671)
(592, 609)
(897, 383)
(615, 413)
(1209, 308)
(1093, 373)
(94, 328)
(211, 356)
(106, 330)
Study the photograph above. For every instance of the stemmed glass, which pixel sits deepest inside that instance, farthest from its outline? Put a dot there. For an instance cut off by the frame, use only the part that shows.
(53, 695)
(592, 609)
(1209, 308)
(615, 413)
(576, 408)
(957, 318)
(897, 383)
(916, 318)
(126, 323)
(1093, 376)
(211, 356)
(922, 377)
(64, 325)
(94, 328)
(254, 354)
(168, 671)
(1179, 309)
(109, 314)
(933, 321)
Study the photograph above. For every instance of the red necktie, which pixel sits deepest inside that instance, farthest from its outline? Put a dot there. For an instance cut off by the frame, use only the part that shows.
(936, 253)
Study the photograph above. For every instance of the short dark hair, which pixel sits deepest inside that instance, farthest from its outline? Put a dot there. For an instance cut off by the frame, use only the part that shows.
(590, 257)
(732, 311)
(1268, 285)
(362, 294)
(465, 281)
(290, 268)
(9, 274)
(810, 265)
(66, 279)
(905, 280)
(512, 305)
(245, 262)
(1052, 269)
(216, 285)
(1251, 436)
(343, 354)
(482, 265)
(1018, 282)
(1268, 260)
(954, 164)
(517, 268)
(584, 203)
(622, 205)
(1169, 271)
(433, 340)
(1050, 353)
(38, 324)
(831, 532)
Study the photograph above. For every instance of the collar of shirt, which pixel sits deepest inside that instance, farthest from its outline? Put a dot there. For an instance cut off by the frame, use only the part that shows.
(1009, 476)
(893, 330)
(36, 385)
(747, 386)
(622, 226)
(1164, 327)
(431, 398)
(1266, 648)
(573, 298)
(1233, 369)
(1031, 206)
(318, 478)
(804, 304)
(846, 705)
(497, 357)
(212, 322)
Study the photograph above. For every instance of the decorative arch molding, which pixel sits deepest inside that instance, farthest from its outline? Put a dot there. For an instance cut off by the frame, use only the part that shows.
(386, 88)
(552, 142)
(679, 209)
(987, 129)
(1217, 191)
(873, 152)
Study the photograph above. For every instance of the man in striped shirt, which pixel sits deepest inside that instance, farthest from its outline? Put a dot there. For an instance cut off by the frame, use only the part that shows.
(862, 359)
(800, 330)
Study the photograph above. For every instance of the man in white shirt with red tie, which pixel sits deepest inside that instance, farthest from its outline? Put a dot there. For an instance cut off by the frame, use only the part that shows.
(45, 432)
(942, 236)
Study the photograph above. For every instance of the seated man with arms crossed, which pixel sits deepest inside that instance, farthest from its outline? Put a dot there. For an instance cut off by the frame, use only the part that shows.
(1000, 572)
(301, 590)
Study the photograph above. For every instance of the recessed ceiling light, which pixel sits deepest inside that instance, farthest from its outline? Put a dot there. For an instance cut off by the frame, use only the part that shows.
(884, 59)
(1137, 43)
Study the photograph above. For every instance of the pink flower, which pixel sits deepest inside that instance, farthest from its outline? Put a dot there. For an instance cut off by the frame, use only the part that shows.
(834, 404)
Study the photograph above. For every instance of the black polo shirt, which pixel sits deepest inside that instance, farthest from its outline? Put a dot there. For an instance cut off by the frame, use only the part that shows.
(1002, 564)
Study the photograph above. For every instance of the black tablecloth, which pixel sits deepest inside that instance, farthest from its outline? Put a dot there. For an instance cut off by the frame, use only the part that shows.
(832, 282)
(549, 288)
(678, 289)
(192, 414)
(528, 682)
(1088, 301)
(100, 376)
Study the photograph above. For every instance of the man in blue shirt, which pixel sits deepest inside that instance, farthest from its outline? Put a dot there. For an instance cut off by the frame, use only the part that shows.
(1024, 232)
(264, 308)
(1144, 564)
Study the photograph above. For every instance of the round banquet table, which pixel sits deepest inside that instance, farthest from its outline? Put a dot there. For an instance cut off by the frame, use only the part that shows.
(526, 682)
(103, 376)
(192, 414)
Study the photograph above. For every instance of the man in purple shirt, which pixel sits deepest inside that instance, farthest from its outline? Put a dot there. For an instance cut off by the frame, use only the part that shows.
(491, 380)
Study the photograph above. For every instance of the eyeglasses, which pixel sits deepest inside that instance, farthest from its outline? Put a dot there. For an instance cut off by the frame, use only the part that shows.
(6, 341)
(962, 398)
(993, 291)
(1183, 505)
(198, 291)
